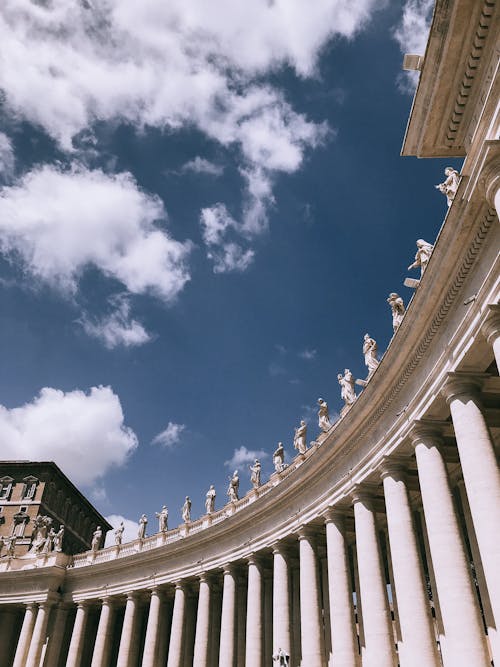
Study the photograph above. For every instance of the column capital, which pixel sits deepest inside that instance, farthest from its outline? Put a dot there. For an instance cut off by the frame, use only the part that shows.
(490, 177)
(280, 547)
(205, 577)
(491, 326)
(393, 466)
(132, 595)
(253, 559)
(363, 493)
(83, 604)
(180, 585)
(334, 515)
(306, 532)
(463, 384)
(229, 568)
(426, 432)
(106, 601)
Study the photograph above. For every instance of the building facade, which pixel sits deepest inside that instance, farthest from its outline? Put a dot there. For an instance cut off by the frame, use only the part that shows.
(378, 546)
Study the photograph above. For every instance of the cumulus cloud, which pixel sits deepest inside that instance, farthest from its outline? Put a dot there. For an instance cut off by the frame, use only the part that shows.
(199, 165)
(84, 433)
(226, 255)
(129, 534)
(7, 160)
(117, 328)
(242, 455)
(412, 33)
(170, 436)
(59, 222)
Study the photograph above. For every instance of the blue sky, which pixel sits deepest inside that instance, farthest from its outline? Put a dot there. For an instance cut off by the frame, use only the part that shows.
(202, 213)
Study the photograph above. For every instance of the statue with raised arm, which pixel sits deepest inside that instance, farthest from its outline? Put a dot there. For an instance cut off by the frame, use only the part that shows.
(96, 539)
(233, 488)
(162, 519)
(186, 510)
(143, 522)
(346, 382)
(422, 257)
(210, 500)
(324, 422)
(299, 439)
(450, 185)
(119, 534)
(370, 353)
(279, 458)
(397, 309)
(255, 471)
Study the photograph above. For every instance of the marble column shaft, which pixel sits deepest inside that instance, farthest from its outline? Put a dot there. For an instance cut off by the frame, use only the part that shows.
(377, 627)
(344, 645)
(310, 610)
(491, 330)
(77, 637)
(253, 649)
(462, 624)
(481, 477)
(102, 646)
(281, 600)
(25, 636)
(227, 646)
(175, 650)
(414, 611)
(201, 642)
(56, 637)
(128, 640)
(39, 634)
(151, 641)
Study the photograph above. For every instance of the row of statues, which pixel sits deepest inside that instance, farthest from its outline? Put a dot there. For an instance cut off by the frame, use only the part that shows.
(45, 538)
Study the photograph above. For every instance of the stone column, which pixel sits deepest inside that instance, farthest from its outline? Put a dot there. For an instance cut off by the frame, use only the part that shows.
(253, 650)
(241, 619)
(463, 629)
(281, 599)
(379, 644)
(491, 330)
(56, 637)
(413, 605)
(128, 639)
(25, 636)
(39, 634)
(491, 176)
(481, 475)
(344, 644)
(175, 653)
(310, 612)
(227, 647)
(102, 646)
(149, 656)
(78, 636)
(202, 623)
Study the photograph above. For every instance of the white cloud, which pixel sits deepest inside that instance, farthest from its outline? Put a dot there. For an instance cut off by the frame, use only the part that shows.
(169, 436)
(59, 222)
(7, 160)
(242, 455)
(412, 33)
(129, 534)
(199, 165)
(308, 354)
(226, 255)
(117, 328)
(84, 433)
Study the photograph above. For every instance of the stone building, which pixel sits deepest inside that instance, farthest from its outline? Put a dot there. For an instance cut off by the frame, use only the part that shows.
(29, 489)
(379, 545)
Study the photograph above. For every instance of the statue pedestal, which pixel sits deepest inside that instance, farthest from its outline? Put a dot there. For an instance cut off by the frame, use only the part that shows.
(207, 521)
(116, 551)
(231, 509)
(253, 495)
(412, 283)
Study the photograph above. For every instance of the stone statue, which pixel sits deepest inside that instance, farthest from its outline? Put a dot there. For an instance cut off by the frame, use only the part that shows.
(119, 534)
(233, 488)
(279, 458)
(424, 251)
(41, 526)
(58, 539)
(299, 439)
(96, 539)
(186, 510)
(210, 500)
(346, 382)
(255, 476)
(162, 519)
(10, 543)
(370, 352)
(2, 543)
(143, 522)
(282, 658)
(449, 186)
(397, 308)
(323, 416)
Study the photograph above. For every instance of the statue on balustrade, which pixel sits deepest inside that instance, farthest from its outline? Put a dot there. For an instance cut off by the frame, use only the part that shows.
(324, 422)
(233, 488)
(210, 500)
(450, 185)
(10, 543)
(186, 510)
(255, 474)
(300, 437)
(96, 539)
(162, 519)
(279, 458)
(397, 308)
(143, 522)
(282, 658)
(57, 540)
(422, 257)
(370, 353)
(346, 383)
(41, 527)
(119, 534)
